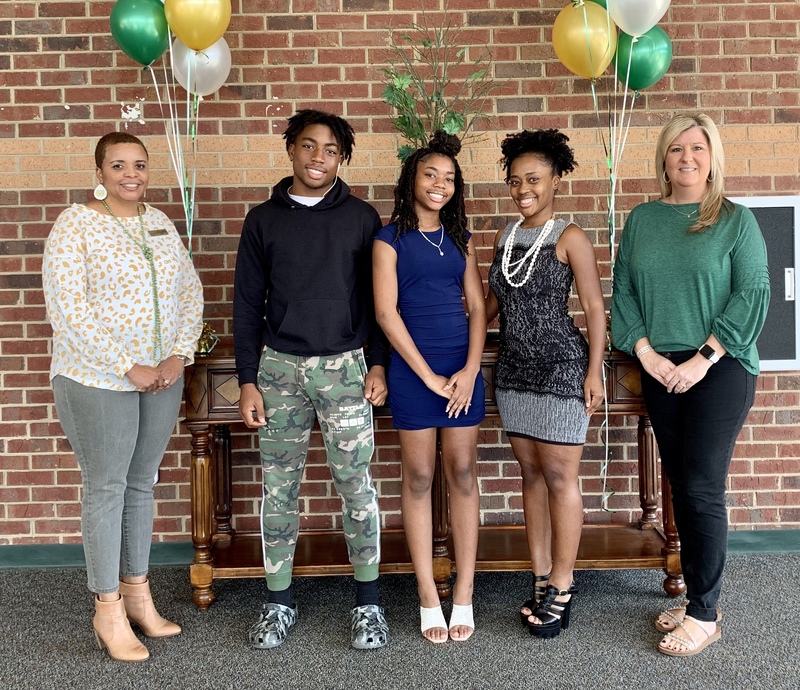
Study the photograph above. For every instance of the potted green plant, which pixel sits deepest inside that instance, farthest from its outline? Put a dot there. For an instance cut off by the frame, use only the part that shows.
(422, 86)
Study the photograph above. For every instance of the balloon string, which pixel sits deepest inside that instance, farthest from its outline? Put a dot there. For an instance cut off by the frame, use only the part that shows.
(588, 39)
(172, 131)
(190, 197)
(607, 492)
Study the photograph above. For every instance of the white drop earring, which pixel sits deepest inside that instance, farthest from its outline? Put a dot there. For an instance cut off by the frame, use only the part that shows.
(100, 192)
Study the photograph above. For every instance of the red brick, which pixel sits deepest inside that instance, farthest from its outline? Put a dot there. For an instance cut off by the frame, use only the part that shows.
(30, 511)
(771, 64)
(62, 9)
(29, 478)
(339, 56)
(759, 483)
(7, 527)
(163, 525)
(744, 13)
(56, 526)
(773, 29)
(16, 494)
(778, 498)
(55, 494)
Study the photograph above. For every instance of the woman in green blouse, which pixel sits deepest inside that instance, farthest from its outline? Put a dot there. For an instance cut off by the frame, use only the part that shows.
(691, 290)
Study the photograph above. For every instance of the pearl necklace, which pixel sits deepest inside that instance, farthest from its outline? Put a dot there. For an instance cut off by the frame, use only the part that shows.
(438, 246)
(147, 252)
(509, 268)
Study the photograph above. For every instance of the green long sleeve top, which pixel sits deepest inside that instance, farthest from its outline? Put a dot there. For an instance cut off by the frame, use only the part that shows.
(676, 288)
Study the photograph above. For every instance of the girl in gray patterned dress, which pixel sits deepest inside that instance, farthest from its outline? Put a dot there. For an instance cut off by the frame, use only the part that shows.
(548, 380)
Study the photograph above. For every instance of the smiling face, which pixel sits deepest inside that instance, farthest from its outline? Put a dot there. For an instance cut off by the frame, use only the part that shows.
(687, 162)
(316, 157)
(125, 174)
(434, 185)
(533, 186)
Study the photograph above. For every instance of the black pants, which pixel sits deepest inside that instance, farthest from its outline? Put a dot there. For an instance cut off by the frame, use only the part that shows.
(696, 433)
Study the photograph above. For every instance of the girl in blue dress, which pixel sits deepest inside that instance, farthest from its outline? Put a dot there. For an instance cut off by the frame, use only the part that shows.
(424, 264)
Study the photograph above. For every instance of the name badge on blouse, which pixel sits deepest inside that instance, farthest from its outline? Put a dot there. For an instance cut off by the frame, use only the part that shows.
(160, 232)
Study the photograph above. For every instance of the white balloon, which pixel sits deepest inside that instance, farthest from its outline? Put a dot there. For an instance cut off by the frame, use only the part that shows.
(636, 17)
(201, 71)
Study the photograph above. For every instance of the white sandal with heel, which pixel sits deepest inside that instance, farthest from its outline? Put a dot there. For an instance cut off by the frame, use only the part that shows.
(462, 616)
(432, 618)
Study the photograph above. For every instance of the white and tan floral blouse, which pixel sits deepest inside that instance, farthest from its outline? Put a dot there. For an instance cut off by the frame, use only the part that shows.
(98, 292)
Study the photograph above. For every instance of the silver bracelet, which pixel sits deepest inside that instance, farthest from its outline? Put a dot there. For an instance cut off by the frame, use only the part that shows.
(642, 351)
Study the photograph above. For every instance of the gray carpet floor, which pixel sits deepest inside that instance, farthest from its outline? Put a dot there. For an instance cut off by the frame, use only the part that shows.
(46, 640)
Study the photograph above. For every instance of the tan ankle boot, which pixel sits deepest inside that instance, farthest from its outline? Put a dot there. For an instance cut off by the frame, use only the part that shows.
(140, 609)
(113, 632)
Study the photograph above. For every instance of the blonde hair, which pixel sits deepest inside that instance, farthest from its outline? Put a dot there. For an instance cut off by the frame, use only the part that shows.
(713, 200)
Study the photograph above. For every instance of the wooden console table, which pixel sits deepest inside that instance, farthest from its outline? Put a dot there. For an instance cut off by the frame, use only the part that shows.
(212, 396)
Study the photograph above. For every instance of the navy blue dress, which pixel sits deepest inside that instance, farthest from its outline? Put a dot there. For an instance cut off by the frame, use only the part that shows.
(429, 299)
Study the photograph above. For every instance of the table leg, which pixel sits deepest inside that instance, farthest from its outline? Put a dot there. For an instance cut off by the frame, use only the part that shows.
(674, 584)
(648, 474)
(200, 572)
(222, 482)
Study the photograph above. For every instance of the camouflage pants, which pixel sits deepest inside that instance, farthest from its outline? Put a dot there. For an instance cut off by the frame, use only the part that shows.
(296, 390)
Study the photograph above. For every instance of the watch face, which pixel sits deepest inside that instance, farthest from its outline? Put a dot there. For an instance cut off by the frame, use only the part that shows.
(709, 353)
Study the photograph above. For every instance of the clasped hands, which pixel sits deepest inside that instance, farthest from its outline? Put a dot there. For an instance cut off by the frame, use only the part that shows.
(149, 379)
(678, 378)
(457, 389)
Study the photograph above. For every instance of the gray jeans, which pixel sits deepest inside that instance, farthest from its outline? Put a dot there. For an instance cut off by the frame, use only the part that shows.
(119, 439)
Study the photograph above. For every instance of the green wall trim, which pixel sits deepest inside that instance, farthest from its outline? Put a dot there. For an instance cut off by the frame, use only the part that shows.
(181, 553)
(764, 541)
(71, 555)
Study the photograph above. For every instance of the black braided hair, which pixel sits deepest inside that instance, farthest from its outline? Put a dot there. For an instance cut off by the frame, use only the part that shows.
(340, 127)
(548, 144)
(453, 214)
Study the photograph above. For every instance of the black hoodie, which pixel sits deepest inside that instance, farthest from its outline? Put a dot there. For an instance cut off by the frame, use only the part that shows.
(303, 282)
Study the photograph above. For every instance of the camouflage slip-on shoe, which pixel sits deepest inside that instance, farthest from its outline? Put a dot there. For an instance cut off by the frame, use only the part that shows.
(368, 628)
(273, 626)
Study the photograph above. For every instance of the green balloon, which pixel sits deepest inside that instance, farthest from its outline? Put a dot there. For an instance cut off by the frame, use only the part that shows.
(649, 57)
(140, 29)
(602, 3)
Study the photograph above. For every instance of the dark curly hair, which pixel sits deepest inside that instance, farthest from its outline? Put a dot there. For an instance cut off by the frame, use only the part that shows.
(549, 144)
(340, 127)
(453, 214)
(112, 139)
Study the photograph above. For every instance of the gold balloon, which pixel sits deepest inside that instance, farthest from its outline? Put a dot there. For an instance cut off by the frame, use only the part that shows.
(198, 23)
(585, 39)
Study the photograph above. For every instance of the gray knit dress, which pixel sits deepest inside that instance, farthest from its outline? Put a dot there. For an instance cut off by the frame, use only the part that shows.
(543, 357)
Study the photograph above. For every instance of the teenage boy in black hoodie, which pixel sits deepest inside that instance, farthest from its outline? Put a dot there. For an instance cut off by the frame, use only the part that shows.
(302, 310)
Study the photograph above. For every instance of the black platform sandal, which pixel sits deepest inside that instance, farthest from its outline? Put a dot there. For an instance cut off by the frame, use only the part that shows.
(538, 595)
(554, 615)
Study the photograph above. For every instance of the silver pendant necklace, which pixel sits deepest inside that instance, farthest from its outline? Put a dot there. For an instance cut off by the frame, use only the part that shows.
(681, 213)
(438, 246)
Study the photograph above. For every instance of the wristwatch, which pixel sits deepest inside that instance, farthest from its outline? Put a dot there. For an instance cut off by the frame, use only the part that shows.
(709, 353)
(184, 358)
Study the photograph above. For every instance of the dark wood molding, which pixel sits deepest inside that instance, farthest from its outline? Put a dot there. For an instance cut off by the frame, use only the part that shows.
(212, 396)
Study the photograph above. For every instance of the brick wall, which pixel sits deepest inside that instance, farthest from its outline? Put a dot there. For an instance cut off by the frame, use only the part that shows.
(63, 82)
